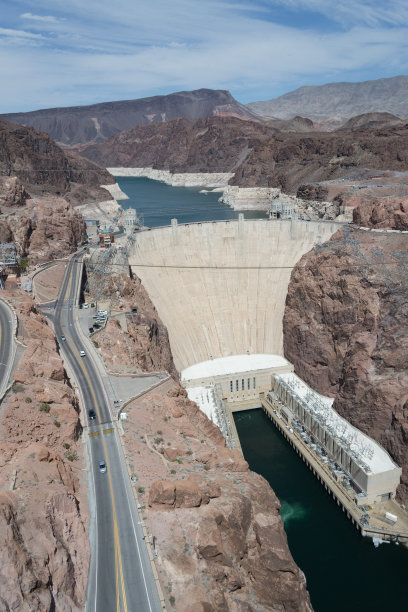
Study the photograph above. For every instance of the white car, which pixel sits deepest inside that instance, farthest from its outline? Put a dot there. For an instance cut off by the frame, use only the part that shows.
(86, 305)
(82, 353)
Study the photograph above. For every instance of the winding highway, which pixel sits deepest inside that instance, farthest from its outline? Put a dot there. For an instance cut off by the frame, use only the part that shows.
(6, 339)
(121, 577)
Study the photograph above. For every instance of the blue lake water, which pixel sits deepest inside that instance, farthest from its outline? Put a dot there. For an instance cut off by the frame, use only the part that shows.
(157, 203)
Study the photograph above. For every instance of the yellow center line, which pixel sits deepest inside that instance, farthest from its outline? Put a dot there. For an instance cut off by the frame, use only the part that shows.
(118, 554)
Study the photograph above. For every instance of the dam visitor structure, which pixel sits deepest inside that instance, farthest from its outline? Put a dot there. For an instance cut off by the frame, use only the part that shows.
(220, 288)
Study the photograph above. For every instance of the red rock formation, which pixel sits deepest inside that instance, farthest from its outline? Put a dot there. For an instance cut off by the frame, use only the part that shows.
(44, 229)
(382, 213)
(345, 331)
(44, 169)
(145, 346)
(44, 553)
(12, 193)
(221, 543)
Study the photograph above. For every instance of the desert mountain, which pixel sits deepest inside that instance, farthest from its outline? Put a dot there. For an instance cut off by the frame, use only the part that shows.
(77, 125)
(373, 120)
(333, 103)
(260, 155)
(44, 169)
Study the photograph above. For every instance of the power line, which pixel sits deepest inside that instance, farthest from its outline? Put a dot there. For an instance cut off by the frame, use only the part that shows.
(201, 267)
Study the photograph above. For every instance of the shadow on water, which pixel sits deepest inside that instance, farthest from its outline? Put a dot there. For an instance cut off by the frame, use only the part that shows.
(344, 571)
(158, 203)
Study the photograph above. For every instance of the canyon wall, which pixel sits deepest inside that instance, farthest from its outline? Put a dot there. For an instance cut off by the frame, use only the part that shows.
(345, 331)
(44, 169)
(44, 550)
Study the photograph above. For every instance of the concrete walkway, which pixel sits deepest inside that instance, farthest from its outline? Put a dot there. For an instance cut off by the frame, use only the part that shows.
(119, 389)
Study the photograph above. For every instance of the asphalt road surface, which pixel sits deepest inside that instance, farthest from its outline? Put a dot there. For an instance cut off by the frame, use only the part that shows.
(121, 576)
(6, 338)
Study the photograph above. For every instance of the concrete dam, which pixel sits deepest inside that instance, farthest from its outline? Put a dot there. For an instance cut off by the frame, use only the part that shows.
(220, 287)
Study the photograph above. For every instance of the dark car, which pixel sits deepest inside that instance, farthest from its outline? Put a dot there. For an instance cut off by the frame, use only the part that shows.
(92, 415)
(91, 329)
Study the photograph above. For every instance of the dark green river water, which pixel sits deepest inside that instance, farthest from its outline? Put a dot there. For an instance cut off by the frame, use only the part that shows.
(344, 572)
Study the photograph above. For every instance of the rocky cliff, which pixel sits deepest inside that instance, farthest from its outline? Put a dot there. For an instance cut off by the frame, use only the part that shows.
(44, 229)
(44, 553)
(216, 525)
(44, 169)
(77, 125)
(145, 346)
(345, 329)
(258, 154)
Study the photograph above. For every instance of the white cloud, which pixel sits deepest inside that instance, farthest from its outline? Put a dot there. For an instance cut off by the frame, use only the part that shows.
(43, 18)
(101, 50)
(10, 33)
(368, 12)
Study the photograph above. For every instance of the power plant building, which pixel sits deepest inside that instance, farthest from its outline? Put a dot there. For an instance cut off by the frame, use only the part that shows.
(356, 459)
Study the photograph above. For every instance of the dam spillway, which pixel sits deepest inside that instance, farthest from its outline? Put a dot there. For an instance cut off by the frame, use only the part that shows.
(220, 287)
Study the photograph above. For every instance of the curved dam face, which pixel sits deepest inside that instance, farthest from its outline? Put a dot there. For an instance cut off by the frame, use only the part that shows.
(220, 287)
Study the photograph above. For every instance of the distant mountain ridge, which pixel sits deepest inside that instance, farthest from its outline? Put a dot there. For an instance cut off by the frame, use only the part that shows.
(44, 169)
(78, 125)
(258, 154)
(337, 102)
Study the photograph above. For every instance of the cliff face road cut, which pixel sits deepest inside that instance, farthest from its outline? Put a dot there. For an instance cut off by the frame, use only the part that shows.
(121, 576)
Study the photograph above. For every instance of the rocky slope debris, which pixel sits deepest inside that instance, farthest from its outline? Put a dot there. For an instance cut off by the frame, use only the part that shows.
(144, 346)
(345, 330)
(332, 103)
(44, 169)
(77, 125)
(258, 154)
(12, 193)
(44, 553)
(45, 229)
(382, 213)
(216, 525)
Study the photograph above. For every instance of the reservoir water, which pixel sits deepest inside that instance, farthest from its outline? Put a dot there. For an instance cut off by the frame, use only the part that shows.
(344, 571)
(157, 203)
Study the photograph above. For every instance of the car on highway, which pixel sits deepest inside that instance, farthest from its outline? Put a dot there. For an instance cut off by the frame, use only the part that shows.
(63, 338)
(92, 415)
(102, 467)
(82, 353)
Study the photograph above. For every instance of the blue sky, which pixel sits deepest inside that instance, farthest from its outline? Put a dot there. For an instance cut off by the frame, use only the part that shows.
(57, 53)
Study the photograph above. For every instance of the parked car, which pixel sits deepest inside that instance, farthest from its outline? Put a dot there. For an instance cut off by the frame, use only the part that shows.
(91, 330)
(86, 305)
